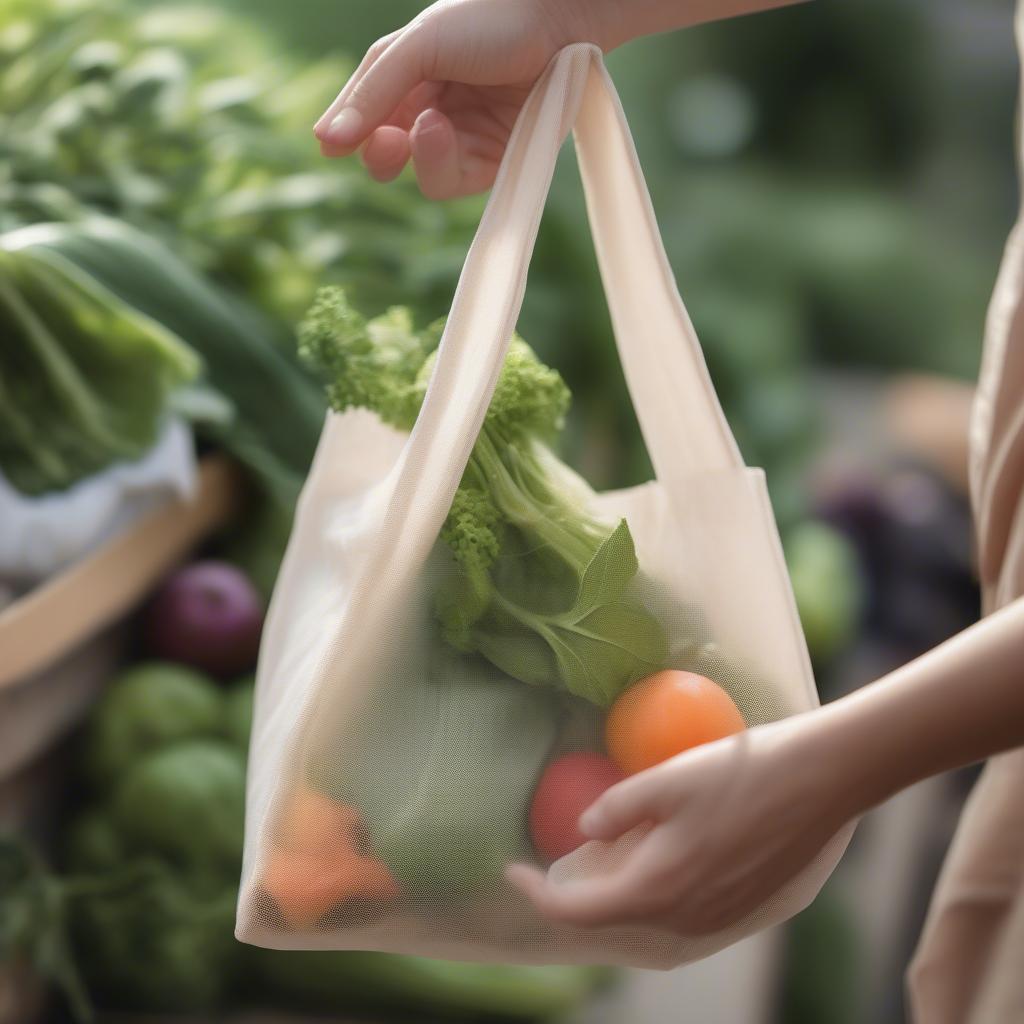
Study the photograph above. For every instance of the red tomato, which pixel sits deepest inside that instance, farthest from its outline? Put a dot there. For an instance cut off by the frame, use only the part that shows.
(569, 785)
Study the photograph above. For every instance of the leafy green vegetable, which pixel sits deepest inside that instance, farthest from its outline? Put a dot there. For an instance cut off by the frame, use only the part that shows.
(149, 706)
(185, 803)
(243, 356)
(446, 804)
(539, 586)
(243, 360)
(84, 377)
(158, 944)
(145, 115)
(92, 842)
(33, 921)
(238, 705)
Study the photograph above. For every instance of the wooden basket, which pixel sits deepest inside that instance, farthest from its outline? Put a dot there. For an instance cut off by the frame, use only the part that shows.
(59, 641)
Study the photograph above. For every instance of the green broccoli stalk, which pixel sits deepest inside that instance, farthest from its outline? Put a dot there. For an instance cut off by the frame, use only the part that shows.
(532, 581)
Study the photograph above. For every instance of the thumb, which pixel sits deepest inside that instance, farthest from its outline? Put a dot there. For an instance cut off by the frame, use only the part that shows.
(627, 804)
(367, 102)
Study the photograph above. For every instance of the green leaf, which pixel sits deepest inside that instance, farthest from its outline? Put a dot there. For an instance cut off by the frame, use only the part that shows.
(610, 571)
(608, 649)
(523, 655)
(605, 641)
(33, 921)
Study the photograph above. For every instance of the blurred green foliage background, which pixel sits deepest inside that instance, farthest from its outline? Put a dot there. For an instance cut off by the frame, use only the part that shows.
(833, 182)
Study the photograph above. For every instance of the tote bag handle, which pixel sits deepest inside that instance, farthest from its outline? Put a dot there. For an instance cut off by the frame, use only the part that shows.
(681, 420)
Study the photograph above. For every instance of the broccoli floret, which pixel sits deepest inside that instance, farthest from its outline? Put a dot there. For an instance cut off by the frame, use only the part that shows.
(367, 364)
(530, 399)
(473, 528)
(540, 587)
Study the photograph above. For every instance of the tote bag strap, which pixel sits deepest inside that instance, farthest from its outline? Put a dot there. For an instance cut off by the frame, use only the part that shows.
(679, 414)
(681, 420)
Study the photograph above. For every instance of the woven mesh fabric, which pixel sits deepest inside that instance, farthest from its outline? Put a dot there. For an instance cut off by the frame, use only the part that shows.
(389, 773)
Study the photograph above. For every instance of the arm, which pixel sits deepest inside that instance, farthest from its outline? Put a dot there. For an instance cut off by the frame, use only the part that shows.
(955, 705)
(619, 21)
(723, 827)
(445, 90)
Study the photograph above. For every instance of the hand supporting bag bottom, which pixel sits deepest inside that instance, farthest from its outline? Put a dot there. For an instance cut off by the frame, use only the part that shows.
(393, 758)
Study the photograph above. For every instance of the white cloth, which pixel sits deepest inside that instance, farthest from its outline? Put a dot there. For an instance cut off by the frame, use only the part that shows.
(40, 535)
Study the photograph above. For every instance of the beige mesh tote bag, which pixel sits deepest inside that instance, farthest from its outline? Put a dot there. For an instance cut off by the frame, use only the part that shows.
(399, 739)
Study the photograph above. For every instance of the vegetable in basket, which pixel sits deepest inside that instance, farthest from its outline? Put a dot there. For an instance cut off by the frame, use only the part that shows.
(244, 368)
(540, 587)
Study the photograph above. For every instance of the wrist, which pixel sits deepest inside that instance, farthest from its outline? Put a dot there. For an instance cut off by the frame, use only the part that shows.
(870, 750)
(602, 22)
(849, 776)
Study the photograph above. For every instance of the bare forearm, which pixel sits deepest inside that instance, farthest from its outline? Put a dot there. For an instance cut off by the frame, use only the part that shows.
(955, 705)
(614, 22)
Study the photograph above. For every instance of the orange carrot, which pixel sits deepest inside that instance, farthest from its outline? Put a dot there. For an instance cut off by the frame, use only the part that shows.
(305, 886)
(317, 863)
(314, 823)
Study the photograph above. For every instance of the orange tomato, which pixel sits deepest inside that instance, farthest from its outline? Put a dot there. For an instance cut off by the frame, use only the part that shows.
(665, 714)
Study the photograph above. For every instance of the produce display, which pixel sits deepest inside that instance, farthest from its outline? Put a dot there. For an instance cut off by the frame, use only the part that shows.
(142, 914)
(536, 674)
(147, 117)
(233, 358)
(163, 180)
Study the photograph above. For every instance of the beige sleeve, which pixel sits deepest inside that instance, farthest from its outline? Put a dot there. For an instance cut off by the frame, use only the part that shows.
(997, 424)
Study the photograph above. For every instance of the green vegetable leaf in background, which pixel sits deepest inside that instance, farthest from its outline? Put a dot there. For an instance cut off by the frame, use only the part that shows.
(274, 411)
(85, 378)
(61, 924)
(33, 922)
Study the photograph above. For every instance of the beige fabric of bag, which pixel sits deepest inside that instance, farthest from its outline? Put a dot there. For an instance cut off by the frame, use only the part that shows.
(967, 969)
(338, 704)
